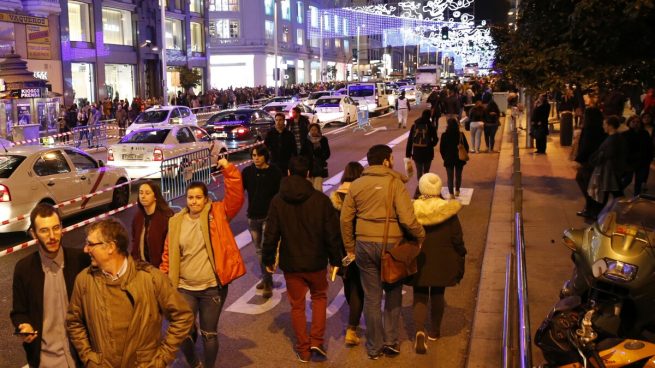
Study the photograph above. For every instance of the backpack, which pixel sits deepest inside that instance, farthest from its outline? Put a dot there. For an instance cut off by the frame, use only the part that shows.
(420, 137)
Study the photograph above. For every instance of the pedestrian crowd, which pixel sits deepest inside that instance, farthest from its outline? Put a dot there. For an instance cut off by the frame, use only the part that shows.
(140, 298)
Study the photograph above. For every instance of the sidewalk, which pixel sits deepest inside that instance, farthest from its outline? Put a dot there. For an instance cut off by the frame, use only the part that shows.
(550, 201)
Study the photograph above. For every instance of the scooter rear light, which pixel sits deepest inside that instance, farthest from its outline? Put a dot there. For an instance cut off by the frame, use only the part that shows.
(5, 196)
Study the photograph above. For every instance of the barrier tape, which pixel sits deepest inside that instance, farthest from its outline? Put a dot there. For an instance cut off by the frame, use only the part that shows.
(69, 228)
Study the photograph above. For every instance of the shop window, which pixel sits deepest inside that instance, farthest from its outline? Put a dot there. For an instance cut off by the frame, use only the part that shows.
(227, 28)
(226, 5)
(197, 37)
(79, 21)
(285, 7)
(117, 26)
(300, 36)
(120, 81)
(300, 17)
(268, 28)
(174, 38)
(196, 6)
(83, 80)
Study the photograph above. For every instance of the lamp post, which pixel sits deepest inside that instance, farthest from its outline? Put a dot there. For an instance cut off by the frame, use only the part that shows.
(358, 55)
(276, 71)
(164, 82)
(404, 55)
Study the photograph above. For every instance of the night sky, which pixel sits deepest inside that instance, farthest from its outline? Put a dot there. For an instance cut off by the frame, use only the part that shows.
(494, 11)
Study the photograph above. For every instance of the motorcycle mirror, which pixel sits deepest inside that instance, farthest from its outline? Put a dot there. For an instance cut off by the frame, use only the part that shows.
(571, 238)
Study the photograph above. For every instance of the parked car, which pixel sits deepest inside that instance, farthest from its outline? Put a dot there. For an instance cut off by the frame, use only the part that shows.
(141, 151)
(30, 175)
(311, 99)
(163, 115)
(336, 109)
(285, 108)
(239, 127)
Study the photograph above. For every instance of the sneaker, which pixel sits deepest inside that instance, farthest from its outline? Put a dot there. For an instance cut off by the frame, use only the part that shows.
(457, 193)
(375, 356)
(260, 285)
(304, 357)
(433, 337)
(268, 290)
(419, 343)
(472, 151)
(391, 350)
(319, 350)
(351, 337)
(399, 125)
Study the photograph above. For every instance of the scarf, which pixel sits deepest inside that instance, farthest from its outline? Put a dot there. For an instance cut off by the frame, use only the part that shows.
(316, 141)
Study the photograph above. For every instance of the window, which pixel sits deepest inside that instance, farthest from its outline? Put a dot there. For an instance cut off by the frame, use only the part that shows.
(346, 45)
(285, 33)
(336, 23)
(314, 42)
(51, 163)
(9, 164)
(300, 36)
(227, 28)
(268, 28)
(201, 135)
(81, 161)
(285, 7)
(197, 39)
(326, 43)
(326, 22)
(300, 7)
(268, 7)
(345, 27)
(226, 5)
(174, 34)
(117, 26)
(79, 23)
(337, 43)
(196, 6)
(184, 136)
(313, 16)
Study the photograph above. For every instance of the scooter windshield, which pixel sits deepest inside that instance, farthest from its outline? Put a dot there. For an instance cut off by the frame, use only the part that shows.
(634, 217)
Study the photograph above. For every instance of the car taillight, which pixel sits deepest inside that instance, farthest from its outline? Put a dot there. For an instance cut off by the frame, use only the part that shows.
(110, 155)
(158, 155)
(5, 196)
(240, 130)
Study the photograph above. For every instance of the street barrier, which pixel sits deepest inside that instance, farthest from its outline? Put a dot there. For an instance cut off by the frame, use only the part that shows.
(90, 136)
(178, 171)
(363, 121)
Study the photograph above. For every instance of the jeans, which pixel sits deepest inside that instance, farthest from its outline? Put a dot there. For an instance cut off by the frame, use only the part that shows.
(476, 135)
(209, 304)
(454, 172)
(297, 285)
(256, 228)
(380, 330)
(422, 167)
(490, 136)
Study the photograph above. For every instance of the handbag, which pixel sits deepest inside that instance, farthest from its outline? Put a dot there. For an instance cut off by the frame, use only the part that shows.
(462, 152)
(593, 188)
(399, 262)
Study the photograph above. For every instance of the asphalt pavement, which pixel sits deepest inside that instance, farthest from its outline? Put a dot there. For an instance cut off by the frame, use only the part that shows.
(254, 332)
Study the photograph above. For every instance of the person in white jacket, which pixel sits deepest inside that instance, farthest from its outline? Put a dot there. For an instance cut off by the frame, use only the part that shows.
(403, 107)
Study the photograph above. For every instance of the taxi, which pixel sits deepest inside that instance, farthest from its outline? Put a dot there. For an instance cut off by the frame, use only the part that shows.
(163, 115)
(142, 151)
(30, 175)
(336, 109)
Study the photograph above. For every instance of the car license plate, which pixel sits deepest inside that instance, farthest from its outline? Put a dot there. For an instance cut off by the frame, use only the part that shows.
(132, 156)
(220, 135)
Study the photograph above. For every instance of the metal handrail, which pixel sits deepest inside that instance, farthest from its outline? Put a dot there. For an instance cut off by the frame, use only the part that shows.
(525, 341)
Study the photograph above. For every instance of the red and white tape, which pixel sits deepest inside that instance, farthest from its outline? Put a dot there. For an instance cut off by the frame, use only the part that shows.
(69, 228)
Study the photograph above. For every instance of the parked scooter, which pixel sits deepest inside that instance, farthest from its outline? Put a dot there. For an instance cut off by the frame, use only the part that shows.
(606, 313)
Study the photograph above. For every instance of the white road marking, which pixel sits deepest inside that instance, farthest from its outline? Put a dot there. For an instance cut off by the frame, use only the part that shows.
(465, 195)
(376, 130)
(244, 306)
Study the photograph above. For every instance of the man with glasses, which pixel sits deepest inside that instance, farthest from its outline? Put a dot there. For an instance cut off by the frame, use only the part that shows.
(42, 286)
(118, 304)
(262, 182)
(281, 144)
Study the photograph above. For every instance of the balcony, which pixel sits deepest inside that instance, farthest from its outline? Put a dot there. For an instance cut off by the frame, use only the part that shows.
(41, 8)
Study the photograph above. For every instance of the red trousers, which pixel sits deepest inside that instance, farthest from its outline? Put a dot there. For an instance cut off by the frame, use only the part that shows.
(297, 285)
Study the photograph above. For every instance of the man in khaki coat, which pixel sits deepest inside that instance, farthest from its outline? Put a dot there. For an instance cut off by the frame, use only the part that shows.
(364, 209)
(115, 314)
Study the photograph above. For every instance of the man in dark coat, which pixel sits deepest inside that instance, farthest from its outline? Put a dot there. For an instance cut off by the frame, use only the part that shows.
(298, 124)
(420, 145)
(539, 123)
(281, 143)
(591, 137)
(39, 302)
(304, 227)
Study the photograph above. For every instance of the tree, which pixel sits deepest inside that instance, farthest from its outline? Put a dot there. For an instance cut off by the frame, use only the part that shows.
(189, 78)
(592, 42)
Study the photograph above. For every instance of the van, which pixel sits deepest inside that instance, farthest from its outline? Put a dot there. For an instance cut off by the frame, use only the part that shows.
(372, 95)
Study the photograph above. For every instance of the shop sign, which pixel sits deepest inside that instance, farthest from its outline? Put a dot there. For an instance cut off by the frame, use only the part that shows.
(38, 51)
(23, 19)
(37, 34)
(41, 75)
(30, 93)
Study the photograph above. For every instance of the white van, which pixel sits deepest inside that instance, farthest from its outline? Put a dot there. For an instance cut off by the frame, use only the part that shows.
(373, 95)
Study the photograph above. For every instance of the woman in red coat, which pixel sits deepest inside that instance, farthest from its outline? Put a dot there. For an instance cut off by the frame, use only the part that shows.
(150, 224)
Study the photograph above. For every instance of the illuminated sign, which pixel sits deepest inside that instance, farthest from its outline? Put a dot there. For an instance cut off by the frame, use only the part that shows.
(30, 93)
(41, 75)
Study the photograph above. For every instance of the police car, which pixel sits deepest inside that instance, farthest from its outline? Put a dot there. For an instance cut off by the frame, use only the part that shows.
(163, 115)
(33, 174)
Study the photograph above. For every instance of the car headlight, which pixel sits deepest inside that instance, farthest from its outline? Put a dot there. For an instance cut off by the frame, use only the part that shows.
(615, 270)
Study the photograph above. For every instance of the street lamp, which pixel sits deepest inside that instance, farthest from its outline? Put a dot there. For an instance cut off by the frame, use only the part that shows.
(276, 71)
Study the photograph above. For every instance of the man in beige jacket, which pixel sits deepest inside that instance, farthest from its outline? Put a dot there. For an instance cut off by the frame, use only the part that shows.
(364, 209)
(115, 314)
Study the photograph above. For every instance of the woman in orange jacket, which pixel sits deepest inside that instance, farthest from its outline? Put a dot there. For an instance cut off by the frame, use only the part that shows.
(201, 257)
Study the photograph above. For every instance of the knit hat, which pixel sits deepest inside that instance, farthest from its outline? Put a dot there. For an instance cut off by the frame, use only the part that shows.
(430, 184)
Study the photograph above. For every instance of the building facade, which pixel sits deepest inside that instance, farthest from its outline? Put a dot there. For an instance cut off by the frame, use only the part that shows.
(241, 44)
(112, 48)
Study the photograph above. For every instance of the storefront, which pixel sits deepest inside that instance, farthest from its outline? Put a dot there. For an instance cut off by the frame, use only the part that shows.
(83, 80)
(232, 70)
(27, 108)
(120, 81)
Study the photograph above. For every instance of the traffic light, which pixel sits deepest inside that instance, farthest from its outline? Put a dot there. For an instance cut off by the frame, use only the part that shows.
(444, 33)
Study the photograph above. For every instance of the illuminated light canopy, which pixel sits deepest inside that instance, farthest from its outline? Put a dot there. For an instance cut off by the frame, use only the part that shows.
(418, 23)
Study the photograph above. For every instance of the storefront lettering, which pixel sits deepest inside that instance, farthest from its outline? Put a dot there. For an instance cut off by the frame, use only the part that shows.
(41, 75)
(23, 19)
(30, 93)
